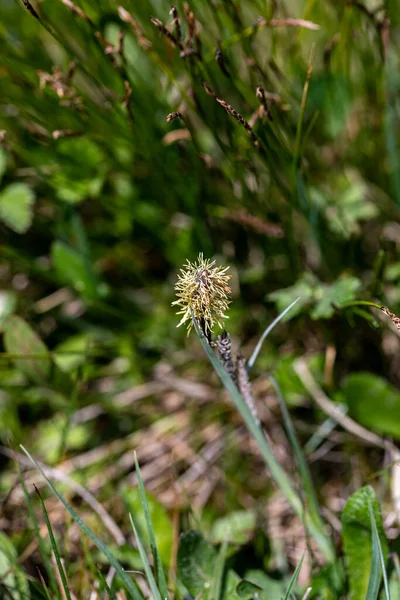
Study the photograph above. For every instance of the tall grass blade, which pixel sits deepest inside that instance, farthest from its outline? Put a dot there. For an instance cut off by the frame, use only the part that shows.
(130, 586)
(323, 431)
(153, 544)
(277, 473)
(107, 588)
(268, 330)
(376, 543)
(55, 549)
(46, 589)
(42, 546)
(218, 575)
(374, 576)
(300, 459)
(293, 579)
(146, 565)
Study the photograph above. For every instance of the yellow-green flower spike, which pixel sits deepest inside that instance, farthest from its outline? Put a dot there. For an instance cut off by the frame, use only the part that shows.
(203, 289)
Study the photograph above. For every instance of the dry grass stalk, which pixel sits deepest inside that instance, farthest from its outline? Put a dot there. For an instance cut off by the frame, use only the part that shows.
(176, 21)
(395, 318)
(77, 10)
(233, 113)
(219, 57)
(174, 41)
(127, 18)
(262, 22)
(174, 115)
(30, 8)
(256, 223)
(260, 94)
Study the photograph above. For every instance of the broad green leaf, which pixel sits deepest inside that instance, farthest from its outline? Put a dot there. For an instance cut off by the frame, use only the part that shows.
(196, 560)
(160, 520)
(28, 352)
(8, 303)
(247, 589)
(328, 296)
(80, 170)
(321, 298)
(31, 356)
(373, 403)
(237, 527)
(75, 270)
(231, 586)
(357, 539)
(304, 289)
(11, 574)
(16, 207)
(272, 589)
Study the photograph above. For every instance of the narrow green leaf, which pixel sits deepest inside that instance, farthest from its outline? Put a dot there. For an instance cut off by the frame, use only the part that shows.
(156, 555)
(54, 546)
(42, 547)
(268, 330)
(293, 579)
(218, 573)
(130, 586)
(376, 542)
(46, 590)
(147, 569)
(300, 459)
(111, 594)
(278, 474)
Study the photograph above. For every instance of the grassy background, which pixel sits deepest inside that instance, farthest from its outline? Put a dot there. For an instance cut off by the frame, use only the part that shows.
(102, 199)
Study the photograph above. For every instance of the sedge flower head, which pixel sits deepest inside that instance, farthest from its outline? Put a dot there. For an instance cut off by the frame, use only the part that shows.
(202, 289)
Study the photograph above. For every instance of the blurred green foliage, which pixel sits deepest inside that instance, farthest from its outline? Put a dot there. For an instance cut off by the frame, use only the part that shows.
(279, 158)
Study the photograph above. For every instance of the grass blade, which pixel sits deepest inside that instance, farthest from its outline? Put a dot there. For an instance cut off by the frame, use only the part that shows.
(147, 569)
(276, 471)
(301, 461)
(293, 579)
(153, 544)
(42, 581)
(55, 549)
(216, 592)
(42, 547)
(111, 594)
(374, 578)
(378, 558)
(268, 330)
(130, 586)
